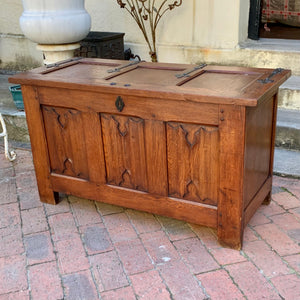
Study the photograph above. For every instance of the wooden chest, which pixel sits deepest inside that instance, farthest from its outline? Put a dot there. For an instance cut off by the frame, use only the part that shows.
(192, 142)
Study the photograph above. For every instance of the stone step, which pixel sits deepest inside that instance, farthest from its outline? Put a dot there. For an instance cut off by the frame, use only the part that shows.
(287, 163)
(268, 53)
(289, 94)
(288, 129)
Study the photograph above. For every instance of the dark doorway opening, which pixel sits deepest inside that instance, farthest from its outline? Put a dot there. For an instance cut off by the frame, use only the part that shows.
(277, 19)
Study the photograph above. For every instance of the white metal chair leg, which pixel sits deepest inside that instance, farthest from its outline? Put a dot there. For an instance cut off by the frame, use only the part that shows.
(10, 155)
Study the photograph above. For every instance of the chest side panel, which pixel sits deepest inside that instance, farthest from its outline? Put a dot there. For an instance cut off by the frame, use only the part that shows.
(258, 147)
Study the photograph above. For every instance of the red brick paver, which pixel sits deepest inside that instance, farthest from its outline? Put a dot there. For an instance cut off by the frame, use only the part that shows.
(294, 262)
(286, 200)
(108, 209)
(71, 255)
(182, 284)
(143, 222)
(119, 227)
(96, 239)
(288, 223)
(8, 189)
(34, 220)
(85, 211)
(268, 261)
(39, 248)
(159, 247)
(11, 242)
(63, 207)
(81, 249)
(125, 293)
(219, 285)
(251, 281)
(46, 273)
(149, 285)
(288, 286)
(133, 256)
(21, 295)
(225, 256)
(12, 274)
(259, 219)
(272, 209)
(108, 271)
(10, 215)
(195, 256)
(175, 229)
(79, 285)
(62, 226)
(278, 239)
(29, 198)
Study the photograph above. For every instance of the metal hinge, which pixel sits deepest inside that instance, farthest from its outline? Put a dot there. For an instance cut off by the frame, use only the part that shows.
(63, 62)
(187, 74)
(268, 79)
(122, 67)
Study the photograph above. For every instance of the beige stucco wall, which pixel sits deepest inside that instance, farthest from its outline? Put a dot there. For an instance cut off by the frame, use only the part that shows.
(16, 52)
(194, 25)
(9, 16)
(181, 36)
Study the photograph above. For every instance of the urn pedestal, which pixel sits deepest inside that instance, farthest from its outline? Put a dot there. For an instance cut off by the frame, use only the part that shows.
(56, 26)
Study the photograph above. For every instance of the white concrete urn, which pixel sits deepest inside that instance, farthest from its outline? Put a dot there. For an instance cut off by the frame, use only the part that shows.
(56, 25)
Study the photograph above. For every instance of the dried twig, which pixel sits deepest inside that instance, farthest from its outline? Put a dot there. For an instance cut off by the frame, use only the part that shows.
(144, 11)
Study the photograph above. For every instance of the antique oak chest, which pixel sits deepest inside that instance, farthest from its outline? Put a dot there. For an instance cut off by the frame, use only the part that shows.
(192, 142)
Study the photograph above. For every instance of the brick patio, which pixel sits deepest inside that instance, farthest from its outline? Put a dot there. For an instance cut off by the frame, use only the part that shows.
(81, 249)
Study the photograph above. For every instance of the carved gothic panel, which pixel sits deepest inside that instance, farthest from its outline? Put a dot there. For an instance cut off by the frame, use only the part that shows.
(193, 162)
(124, 148)
(65, 140)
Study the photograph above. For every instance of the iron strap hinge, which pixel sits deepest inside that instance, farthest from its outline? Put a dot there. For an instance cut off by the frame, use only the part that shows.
(63, 62)
(122, 67)
(187, 74)
(268, 79)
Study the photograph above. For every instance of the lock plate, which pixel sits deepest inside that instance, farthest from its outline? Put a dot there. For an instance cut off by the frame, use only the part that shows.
(119, 103)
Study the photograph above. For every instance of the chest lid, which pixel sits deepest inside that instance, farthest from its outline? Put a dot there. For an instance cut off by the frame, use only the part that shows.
(200, 83)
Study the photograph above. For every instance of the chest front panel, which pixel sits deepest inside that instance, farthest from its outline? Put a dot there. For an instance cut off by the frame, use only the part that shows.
(174, 159)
